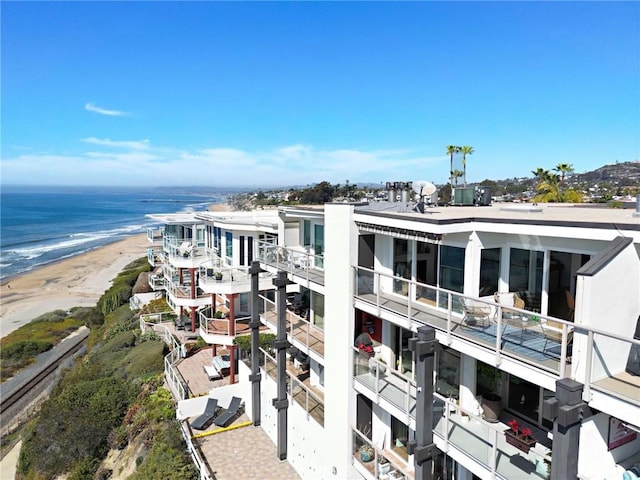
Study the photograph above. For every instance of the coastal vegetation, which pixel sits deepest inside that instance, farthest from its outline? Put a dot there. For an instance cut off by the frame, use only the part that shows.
(109, 404)
(20, 348)
(551, 187)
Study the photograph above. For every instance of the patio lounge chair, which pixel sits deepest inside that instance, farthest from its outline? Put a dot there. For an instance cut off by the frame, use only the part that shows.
(204, 420)
(226, 417)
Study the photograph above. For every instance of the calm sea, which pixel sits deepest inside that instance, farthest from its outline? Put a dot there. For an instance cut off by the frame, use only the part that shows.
(46, 224)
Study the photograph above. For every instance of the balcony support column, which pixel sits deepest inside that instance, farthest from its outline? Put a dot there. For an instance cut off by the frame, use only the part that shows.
(281, 403)
(192, 314)
(422, 448)
(566, 410)
(255, 376)
(232, 333)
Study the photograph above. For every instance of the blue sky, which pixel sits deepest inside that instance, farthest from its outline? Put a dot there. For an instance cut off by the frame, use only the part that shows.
(278, 93)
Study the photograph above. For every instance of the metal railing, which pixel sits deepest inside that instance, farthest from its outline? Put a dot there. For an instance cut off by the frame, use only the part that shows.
(292, 259)
(298, 328)
(298, 392)
(507, 331)
(174, 379)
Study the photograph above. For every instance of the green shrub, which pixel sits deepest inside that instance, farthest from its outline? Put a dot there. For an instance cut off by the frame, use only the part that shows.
(25, 348)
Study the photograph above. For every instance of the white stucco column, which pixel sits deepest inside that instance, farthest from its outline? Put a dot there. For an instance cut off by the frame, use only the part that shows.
(467, 396)
(341, 250)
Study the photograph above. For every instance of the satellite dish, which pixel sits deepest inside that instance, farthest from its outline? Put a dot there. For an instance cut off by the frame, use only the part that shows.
(423, 188)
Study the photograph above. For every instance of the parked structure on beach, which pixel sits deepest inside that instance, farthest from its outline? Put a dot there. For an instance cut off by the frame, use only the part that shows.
(414, 340)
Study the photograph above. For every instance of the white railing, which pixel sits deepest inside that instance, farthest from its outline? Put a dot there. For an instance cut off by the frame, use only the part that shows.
(298, 328)
(154, 321)
(507, 331)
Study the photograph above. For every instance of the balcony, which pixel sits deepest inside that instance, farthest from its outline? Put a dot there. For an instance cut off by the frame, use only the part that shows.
(302, 333)
(181, 252)
(508, 333)
(299, 388)
(228, 280)
(179, 294)
(296, 261)
(156, 282)
(455, 430)
(372, 462)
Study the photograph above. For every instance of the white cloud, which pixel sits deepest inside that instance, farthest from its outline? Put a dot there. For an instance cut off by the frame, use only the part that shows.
(134, 145)
(140, 163)
(103, 111)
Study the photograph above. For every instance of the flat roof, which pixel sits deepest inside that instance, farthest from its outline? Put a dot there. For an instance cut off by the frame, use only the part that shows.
(579, 215)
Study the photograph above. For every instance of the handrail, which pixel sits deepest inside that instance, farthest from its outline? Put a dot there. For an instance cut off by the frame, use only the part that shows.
(372, 285)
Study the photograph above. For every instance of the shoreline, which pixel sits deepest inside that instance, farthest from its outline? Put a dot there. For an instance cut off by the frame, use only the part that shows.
(77, 281)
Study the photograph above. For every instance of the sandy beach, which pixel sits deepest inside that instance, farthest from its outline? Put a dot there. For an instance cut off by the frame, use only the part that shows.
(77, 281)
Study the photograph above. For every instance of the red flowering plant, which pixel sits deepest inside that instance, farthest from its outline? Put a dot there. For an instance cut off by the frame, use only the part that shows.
(524, 433)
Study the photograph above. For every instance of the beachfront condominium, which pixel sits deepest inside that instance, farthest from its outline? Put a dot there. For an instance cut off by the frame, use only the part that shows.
(419, 342)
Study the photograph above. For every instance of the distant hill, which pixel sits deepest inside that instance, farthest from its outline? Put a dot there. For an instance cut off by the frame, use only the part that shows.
(625, 173)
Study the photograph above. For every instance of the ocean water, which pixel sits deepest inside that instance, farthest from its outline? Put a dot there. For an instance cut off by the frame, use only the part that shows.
(39, 226)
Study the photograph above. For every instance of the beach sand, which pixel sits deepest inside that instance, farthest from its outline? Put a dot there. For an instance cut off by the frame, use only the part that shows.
(74, 282)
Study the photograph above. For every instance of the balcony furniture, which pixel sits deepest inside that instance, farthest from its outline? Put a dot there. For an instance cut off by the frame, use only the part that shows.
(571, 305)
(553, 331)
(476, 313)
(204, 420)
(226, 417)
(222, 364)
(509, 299)
(212, 372)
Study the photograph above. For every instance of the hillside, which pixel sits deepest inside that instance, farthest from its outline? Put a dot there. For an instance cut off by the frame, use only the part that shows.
(622, 174)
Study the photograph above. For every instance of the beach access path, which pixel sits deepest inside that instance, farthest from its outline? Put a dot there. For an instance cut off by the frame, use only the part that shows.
(78, 281)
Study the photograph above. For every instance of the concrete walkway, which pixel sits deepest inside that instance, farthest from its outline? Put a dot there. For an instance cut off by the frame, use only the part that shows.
(9, 463)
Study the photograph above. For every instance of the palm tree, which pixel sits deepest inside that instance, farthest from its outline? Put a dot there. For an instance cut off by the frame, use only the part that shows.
(563, 169)
(451, 150)
(457, 174)
(466, 150)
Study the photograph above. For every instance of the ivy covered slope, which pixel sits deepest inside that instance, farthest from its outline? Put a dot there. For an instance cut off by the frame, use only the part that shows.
(110, 401)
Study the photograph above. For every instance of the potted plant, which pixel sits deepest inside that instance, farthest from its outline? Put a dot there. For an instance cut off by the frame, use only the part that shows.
(383, 465)
(519, 437)
(366, 453)
(218, 276)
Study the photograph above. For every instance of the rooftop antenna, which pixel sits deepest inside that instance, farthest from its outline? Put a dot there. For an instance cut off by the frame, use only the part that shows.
(422, 189)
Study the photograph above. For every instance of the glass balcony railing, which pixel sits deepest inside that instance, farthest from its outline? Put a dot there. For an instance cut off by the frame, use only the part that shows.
(295, 260)
(541, 341)
(376, 462)
(298, 328)
(298, 390)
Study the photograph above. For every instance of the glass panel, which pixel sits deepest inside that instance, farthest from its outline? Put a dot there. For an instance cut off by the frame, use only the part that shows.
(525, 276)
(448, 373)
(452, 268)
(425, 272)
(306, 235)
(318, 232)
(399, 438)
(318, 309)
(229, 246)
(524, 398)
(489, 271)
(401, 265)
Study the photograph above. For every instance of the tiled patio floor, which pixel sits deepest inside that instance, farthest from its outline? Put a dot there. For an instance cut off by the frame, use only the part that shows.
(245, 453)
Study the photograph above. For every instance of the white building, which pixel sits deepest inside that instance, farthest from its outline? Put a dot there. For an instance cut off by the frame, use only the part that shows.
(519, 298)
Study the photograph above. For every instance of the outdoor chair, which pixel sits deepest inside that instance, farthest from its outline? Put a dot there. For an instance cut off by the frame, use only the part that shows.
(475, 313)
(509, 299)
(552, 330)
(204, 420)
(227, 416)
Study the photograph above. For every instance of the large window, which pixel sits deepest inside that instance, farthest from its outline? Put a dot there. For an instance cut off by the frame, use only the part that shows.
(448, 373)
(489, 271)
(401, 265)
(306, 233)
(525, 276)
(229, 247)
(318, 234)
(452, 268)
(317, 300)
